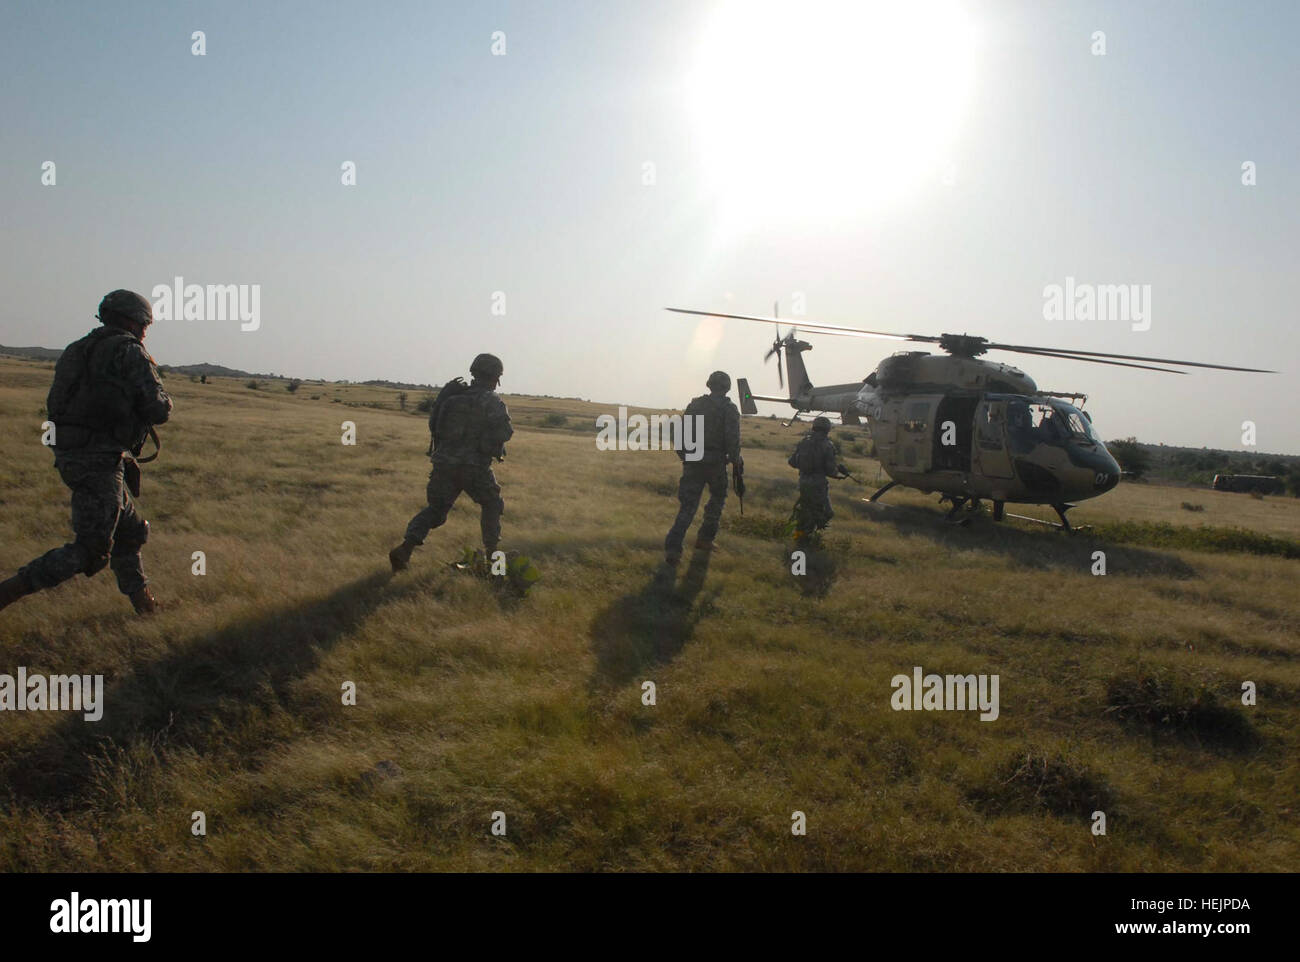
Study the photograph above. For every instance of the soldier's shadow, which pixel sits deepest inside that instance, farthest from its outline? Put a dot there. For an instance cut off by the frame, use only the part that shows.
(650, 626)
(195, 698)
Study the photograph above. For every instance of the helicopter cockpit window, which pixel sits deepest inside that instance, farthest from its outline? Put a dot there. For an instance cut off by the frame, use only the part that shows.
(1051, 425)
(1079, 426)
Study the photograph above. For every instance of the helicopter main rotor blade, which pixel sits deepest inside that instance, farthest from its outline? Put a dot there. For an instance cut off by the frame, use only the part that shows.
(1067, 353)
(1084, 355)
(809, 325)
(1095, 360)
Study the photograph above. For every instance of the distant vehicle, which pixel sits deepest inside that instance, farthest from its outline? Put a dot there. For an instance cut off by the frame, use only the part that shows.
(967, 428)
(1263, 483)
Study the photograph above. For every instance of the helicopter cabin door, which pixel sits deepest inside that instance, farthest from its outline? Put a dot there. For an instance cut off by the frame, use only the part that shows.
(991, 455)
(913, 450)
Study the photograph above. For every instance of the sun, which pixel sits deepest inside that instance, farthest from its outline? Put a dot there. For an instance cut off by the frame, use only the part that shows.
(824, 108)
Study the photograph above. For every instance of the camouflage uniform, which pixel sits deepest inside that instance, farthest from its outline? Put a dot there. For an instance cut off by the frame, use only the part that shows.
(472, 428)
(814, 456)
(106, 395)
(721, 443)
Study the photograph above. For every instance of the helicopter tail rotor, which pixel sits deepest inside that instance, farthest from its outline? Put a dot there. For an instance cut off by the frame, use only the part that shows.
(777, 346)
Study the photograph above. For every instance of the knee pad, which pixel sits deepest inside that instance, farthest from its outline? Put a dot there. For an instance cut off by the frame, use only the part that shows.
(97, 551)
(127, 541)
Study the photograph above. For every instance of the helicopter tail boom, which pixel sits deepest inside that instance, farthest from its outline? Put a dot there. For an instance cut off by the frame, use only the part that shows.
(747, 397)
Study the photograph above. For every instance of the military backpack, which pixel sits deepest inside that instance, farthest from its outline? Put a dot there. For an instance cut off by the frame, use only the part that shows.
(714, 411)
(809, 453)
(86, 399)
(439, 426)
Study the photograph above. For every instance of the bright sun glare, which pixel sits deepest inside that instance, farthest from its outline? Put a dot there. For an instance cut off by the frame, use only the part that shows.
(827, 107)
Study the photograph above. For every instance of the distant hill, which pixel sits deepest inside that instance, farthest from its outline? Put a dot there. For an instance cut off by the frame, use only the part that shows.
(33, 353)
(211, 370)
(400, 385)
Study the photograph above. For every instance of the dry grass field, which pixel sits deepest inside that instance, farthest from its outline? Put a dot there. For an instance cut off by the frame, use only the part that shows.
(1119, 693)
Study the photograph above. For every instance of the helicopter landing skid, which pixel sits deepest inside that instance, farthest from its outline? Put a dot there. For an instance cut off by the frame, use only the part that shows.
(876, 496)
(1060, 511)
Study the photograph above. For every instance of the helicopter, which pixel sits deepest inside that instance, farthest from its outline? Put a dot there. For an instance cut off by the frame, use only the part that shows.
(968, 428)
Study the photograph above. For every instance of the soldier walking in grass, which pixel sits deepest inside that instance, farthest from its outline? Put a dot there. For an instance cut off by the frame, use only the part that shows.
(104, 402)
(721, 446)
(815, 459)
(470, 426)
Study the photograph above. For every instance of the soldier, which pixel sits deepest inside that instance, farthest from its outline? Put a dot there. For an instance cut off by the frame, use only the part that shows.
(470, 427)
(814, 456)
(105, 400)
(721, 444)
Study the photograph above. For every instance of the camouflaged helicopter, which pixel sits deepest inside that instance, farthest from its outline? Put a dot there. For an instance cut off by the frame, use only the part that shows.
(970, 429)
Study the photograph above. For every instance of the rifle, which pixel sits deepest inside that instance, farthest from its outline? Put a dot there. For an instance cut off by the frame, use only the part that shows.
(844, 473)
(738, 483)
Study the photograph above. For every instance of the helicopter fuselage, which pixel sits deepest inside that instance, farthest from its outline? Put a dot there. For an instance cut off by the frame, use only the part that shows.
(969, 429)
(1018, 448)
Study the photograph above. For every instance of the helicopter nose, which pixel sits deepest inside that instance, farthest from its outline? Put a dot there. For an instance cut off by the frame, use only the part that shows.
(1100, 471)
(1108, 475)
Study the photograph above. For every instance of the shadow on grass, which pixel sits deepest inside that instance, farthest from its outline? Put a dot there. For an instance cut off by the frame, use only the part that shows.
(1030, 548)
(1034, 781)
(1169, 706)
(649, 626)
(810, 566)
(204, 696)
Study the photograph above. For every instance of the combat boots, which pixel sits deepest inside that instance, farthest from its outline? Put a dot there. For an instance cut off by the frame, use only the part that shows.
(13, 589)
(144, 601)
(400, 557)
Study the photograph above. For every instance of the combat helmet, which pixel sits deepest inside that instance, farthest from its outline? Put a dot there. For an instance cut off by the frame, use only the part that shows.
(487, 366)
(125, 305)
(719, 381)
(822, 424)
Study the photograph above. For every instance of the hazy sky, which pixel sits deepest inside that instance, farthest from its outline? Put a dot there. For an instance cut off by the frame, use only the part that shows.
(919, 173)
